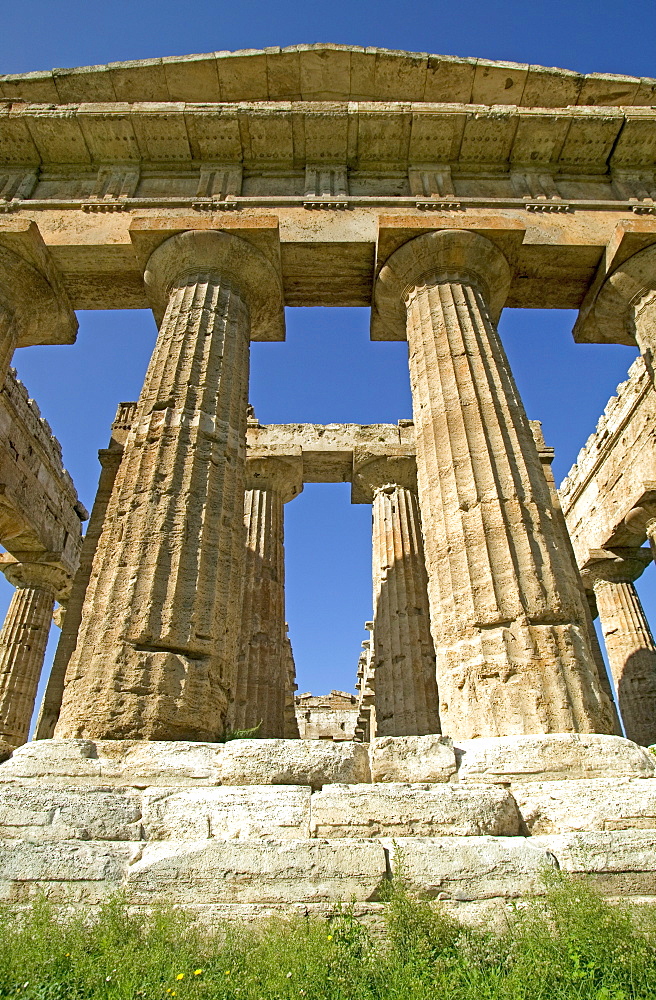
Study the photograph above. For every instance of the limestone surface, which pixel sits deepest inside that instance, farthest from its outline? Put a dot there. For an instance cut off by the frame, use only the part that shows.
(278, 812)
(68, 871)
(552, 757)
(618, 862)
(609, 803)
(45, 813)
(405, 810)
(290, 762)
(412, 758)
(284, 871)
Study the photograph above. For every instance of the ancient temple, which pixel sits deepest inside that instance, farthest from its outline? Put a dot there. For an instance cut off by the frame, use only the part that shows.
(486, 734)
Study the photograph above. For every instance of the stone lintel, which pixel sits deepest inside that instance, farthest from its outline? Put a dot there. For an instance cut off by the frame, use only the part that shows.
(31, 287)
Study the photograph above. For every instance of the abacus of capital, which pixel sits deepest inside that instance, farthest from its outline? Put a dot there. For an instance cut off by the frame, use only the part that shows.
(484, 737)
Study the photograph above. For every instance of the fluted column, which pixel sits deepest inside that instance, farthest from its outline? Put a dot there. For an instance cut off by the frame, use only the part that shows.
(512, 650)
(629, 642)
(110, 460)
(404, 659)
(291, 722)
(23, 641)
(155, 656)
(261, 686)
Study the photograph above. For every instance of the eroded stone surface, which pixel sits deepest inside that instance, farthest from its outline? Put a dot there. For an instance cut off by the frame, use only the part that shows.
(619, 862)
(294, 762)
(42, 812)
(412, 758)
(406, 810)
(585, 805)
(258, 871)
(470, 868)
(280, 812)
(552, 757)
(71, 871)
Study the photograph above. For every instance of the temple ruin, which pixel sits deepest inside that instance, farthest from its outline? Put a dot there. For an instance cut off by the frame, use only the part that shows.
(485, 738)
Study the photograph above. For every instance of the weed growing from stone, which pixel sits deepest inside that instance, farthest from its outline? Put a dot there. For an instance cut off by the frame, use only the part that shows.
(568, 944)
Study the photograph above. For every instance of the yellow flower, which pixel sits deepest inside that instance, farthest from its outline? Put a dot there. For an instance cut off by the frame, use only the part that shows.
(227, 972)
(180, 975)
(198, 972)
(330, 937)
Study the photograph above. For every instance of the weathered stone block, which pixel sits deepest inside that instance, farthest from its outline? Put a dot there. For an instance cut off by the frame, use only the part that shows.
(160, 762)
(471, 868)
(281, 812)
(41, 812)
(71, 871)
(552, 757)
(412, 758)
(618, 862)
(583, 805)
(57, 760)
(294, 762)
(406, 810)
(291, 871)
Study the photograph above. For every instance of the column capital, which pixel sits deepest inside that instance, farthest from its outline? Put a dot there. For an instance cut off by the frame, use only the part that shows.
(374, 471)
(457, 255)
(611, 316)
(46, 576)
(31, 290)
(614, 566)
(213, 251)
(284, 474)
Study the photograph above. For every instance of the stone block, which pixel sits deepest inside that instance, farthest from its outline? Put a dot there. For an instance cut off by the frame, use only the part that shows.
(67, 871)
(287, 871)
(618, 862)
(412, 758)
(144, 763)
(41, 812)
(407, 810)
(294, 762)
(281, 812)
(551, 757)
(58, 760)
(471, 868)
(588, 804)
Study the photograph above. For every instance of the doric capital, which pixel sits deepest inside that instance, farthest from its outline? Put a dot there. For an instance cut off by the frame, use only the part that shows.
(374, 471)
(284, 474)
(46, 576)
(446, 255)
(231, 258)
(614, 566)
(31, 290)
(615, 311)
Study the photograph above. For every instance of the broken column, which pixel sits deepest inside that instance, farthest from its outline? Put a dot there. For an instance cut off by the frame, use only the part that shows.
(406, 700)
(157, 643)
(23, 641)
(629, 642)
(261, 683)
(511, 644)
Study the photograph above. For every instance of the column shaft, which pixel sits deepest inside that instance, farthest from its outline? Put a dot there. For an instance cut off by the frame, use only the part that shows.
(510, 638)
(52, 699)
(156, 646)
(8, 337)
(404, 658)
(23, 641)
(631, 655)
(261, 683)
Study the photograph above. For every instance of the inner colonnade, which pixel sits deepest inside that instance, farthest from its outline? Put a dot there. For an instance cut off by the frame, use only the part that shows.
(436, 208)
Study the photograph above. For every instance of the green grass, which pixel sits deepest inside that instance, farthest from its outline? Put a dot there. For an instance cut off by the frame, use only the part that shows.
(569, 944)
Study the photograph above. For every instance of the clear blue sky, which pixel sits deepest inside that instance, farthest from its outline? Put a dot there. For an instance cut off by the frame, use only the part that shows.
(328, 370)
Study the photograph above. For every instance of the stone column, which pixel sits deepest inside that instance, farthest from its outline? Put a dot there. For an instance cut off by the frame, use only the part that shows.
(110, 460)
(262, 663)
(23, 641)
(291, 722)
(155, 657)
(404, 658)
(629, 643)
(511, 644)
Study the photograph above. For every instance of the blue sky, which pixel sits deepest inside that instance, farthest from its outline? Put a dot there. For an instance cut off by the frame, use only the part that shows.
(327, 370)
